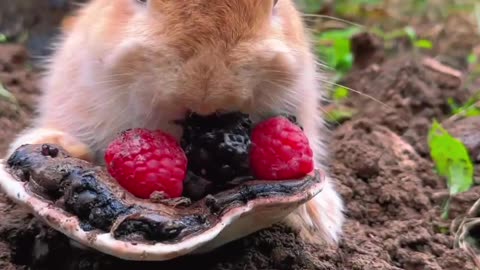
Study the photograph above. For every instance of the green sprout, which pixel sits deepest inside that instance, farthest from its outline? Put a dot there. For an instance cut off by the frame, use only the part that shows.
(408, 32)
(339, 115)
(6, 95)
(340, 93)
(469, 109)
(423, 44)
(335, 47)
(417, 43)
(472, 59)
(452, 161)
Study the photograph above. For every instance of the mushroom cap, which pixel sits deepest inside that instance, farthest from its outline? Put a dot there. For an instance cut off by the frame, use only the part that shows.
(112, 221)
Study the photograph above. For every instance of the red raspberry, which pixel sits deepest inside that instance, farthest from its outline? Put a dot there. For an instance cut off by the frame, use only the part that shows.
(280, 150)
(144, 161)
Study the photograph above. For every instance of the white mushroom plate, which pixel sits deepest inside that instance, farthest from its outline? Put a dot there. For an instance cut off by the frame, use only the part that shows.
(83, 202)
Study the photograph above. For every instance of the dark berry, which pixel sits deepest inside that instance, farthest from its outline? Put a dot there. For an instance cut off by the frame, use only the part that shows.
(217, 146)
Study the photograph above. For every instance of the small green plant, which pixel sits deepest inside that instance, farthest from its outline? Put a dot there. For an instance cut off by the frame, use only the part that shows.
(473, 73)
(408, 32)
(6, 95)
(3, 38)
(337, 112)
(340, 93)
(469, 109)
(334, 48)
(339, 115)
(423, 44)
(452, 161)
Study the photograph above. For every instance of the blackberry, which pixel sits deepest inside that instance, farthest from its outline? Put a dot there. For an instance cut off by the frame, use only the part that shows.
(217, 146)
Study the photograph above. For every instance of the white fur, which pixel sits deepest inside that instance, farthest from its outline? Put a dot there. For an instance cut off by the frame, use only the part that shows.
(323, 223)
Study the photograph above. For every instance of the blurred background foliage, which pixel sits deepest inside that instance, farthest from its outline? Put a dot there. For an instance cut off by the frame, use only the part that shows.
(448, 30)
(439, 26)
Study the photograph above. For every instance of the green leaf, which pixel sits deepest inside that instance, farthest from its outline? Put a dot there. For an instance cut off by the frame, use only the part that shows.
(3, 38)
(346, 33)
(340, 93)
(461, 175)
(423, 43)
(335, 48)
(339, 115)
(410, 32)
(310, 6)
(472, 112)
(453, 105)
(6, 95)
(451, 159)
(469, 109)
(444, 230)
(472, 58)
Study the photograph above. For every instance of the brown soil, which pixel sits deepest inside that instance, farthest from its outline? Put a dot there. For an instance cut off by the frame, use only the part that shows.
(379, 158)
(16, 77)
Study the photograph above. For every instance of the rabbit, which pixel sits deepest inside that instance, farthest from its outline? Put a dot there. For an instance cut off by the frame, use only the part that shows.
(130, 63)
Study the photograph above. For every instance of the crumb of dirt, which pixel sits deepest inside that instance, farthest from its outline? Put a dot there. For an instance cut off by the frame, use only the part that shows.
(367, 50)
